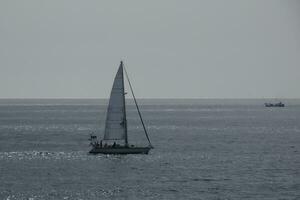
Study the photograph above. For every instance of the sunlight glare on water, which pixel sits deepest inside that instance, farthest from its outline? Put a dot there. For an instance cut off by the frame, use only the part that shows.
(204, 149)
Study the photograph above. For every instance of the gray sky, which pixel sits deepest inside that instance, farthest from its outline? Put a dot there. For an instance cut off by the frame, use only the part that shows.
(172, 49)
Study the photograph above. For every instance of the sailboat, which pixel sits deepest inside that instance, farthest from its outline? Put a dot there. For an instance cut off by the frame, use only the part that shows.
(115, 140)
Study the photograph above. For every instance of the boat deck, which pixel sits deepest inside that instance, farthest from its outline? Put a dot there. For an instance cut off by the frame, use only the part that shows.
(120, 150)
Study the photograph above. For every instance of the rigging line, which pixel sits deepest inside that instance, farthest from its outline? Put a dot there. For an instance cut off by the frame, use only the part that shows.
(140, 115)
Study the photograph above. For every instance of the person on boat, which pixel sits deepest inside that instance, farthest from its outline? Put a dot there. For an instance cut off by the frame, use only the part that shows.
(100, 143)
(114, 145)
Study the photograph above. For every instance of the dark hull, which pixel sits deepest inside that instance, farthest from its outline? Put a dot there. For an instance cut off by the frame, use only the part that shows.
(120, 150)
(274, 105)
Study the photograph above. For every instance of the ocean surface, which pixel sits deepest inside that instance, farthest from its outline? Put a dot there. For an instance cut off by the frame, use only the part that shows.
(204, 149)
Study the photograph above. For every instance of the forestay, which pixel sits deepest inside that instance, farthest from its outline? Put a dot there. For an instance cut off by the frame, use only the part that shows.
(115, 126)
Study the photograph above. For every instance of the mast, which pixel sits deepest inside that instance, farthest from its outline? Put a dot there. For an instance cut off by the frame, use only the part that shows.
(124, 106)
(137, 107)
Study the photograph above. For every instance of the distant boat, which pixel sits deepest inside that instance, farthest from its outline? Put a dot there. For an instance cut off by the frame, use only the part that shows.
(115, 139)
(280, 104)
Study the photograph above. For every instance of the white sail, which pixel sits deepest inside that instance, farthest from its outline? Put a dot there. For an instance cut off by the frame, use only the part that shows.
(115, 126)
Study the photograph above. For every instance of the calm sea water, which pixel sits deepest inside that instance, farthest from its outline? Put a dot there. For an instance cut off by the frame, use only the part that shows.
(204, 149)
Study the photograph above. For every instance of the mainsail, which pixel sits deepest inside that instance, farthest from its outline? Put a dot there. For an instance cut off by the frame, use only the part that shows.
(116, 124)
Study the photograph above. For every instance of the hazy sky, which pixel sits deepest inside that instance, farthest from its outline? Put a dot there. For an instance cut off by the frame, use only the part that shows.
(172, 49)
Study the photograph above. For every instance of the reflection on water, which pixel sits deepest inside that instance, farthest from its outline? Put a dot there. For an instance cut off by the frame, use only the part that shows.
(203, 150)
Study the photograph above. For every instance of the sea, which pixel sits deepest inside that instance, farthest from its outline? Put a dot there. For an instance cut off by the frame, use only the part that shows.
(210, 149)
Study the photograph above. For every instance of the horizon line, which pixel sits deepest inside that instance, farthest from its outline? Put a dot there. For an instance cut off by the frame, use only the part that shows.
(159, 98)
